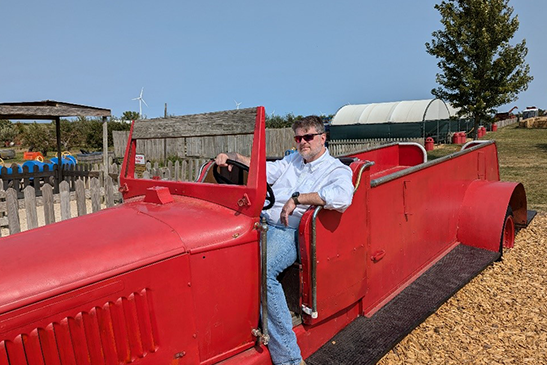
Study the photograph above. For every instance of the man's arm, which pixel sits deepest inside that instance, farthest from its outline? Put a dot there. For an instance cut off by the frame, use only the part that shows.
(303, 199)
(336, 195)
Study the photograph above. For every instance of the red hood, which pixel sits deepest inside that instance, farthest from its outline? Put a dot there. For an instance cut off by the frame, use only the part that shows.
(50, 260)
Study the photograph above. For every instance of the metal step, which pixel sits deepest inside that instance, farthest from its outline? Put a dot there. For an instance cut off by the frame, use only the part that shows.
(367, 340)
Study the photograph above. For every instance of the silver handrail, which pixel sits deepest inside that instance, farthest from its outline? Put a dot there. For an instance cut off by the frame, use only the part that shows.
(263, 335)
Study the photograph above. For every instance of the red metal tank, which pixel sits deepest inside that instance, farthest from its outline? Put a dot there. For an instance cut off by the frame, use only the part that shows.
(429, 143)
(455, 138)
(494, 127)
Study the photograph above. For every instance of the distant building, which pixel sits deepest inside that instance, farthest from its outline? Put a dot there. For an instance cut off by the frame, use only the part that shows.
(401, 119)
(530, 112)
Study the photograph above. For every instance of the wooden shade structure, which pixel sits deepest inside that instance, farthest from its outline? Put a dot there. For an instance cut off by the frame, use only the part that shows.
(54, 110)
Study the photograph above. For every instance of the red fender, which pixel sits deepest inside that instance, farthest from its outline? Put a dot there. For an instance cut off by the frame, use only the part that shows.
(482, 214)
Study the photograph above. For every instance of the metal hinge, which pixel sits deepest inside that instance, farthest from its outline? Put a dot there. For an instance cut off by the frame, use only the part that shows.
(309, 312)
(261, 337)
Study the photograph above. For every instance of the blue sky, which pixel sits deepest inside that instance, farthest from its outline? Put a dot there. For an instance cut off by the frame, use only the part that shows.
(304, 57)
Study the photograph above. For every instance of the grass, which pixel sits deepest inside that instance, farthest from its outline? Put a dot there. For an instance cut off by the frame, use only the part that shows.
(522, 157)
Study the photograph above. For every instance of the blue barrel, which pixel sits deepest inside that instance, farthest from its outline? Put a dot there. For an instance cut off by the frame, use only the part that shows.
(69, 160)
(34, 166)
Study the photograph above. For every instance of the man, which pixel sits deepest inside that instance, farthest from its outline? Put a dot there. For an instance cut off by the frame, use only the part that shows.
(310, 177)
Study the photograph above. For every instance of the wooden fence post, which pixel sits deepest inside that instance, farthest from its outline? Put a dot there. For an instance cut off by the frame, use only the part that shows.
(30, 207)
(95, 195)
(13, 211)
(80, 198)
(64, 194)
(177, 170)
(49, 211)
(109, 192)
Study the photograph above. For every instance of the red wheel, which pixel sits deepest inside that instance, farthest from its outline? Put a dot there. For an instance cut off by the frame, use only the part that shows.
(508, 234)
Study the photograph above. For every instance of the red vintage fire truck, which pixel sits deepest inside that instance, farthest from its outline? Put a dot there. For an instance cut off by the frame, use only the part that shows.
(174, 274)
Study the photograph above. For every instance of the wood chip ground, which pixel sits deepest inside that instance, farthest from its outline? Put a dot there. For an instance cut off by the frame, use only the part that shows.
(500, 317)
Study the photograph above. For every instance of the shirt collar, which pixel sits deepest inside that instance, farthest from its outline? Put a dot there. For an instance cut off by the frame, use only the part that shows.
(317, 163)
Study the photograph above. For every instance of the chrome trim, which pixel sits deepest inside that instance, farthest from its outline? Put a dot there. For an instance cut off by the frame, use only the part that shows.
(358, 182)
(313, 264)
(466, 145)
(263, 335)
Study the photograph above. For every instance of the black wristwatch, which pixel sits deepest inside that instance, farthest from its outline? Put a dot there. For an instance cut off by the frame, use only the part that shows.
(295, 196)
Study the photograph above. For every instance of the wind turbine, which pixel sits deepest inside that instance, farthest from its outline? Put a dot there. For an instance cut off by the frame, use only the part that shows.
(141, 100)
(237, 104)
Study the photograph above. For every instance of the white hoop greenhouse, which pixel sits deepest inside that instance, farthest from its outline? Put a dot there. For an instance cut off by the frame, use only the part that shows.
(411, 118)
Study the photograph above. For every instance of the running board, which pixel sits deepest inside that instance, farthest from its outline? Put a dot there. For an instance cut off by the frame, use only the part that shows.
(530, 214)
(367, 340)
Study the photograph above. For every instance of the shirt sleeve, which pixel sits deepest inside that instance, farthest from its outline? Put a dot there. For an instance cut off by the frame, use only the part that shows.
(274, 169)
(338, 192)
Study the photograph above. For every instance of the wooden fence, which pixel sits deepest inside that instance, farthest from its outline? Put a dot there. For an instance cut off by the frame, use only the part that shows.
(186, 169)
(90, 197)
(20, 178)
(277, 142)
(506, 122)
(345, 146)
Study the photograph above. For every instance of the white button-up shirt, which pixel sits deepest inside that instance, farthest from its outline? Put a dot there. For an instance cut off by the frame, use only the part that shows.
(327, 176)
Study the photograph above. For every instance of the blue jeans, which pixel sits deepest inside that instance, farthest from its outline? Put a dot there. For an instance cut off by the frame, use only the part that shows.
(281, 254)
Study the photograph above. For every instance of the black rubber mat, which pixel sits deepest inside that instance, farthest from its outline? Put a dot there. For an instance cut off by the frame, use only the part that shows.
(530, 215)
(366, 340)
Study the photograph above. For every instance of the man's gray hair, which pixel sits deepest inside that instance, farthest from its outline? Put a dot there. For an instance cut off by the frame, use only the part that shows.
(310, 121)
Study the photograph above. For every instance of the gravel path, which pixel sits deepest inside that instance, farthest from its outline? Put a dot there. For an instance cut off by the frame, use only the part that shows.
(500, 317)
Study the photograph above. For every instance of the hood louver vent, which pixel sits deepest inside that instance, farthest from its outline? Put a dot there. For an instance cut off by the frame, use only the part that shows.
(117, 332)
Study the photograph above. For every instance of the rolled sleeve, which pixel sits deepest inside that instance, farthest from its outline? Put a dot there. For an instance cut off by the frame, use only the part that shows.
(338, 193)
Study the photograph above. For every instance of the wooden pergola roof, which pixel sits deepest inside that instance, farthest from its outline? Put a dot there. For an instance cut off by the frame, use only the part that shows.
(54, 110)
(49, 110)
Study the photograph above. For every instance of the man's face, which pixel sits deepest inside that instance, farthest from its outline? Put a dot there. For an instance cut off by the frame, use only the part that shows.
(310, 150)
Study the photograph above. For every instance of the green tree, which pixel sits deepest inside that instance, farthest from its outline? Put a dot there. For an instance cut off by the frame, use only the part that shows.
(71, 134)
(278, 121)
(480, 69)
(8, 132)
(129, 115)
(40, 137)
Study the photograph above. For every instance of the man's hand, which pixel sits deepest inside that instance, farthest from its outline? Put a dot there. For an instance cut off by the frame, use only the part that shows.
(304, 199)
(222, 157)
(286, 211)
(221, 160)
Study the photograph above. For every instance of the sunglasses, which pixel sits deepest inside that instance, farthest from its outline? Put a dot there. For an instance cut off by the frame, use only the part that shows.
(306, 137)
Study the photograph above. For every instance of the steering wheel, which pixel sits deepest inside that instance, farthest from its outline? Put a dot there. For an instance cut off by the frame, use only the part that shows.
(224, 180)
